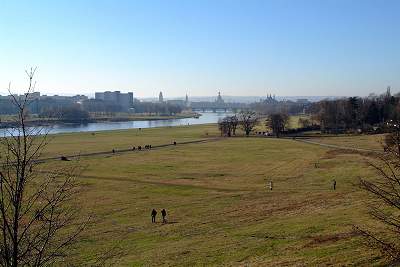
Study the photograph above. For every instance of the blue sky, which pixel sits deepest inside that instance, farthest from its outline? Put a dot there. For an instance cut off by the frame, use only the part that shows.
(249, 47)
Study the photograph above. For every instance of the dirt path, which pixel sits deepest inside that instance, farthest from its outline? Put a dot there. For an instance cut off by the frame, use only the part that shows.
(100, 153)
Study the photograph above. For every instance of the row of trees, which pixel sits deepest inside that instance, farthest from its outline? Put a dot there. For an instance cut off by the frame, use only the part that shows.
(52, 107)
(68, 114)
(356, 112)
(248, 120)
(156, 108)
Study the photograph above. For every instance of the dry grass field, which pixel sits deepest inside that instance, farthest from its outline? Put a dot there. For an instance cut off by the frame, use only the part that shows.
(220, 211)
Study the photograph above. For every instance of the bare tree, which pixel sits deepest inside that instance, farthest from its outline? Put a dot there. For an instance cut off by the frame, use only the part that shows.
(228, 125)
(223, 127)
(384, 191)
(277, 122)
(234, 122)
(38, 218)
(248, 120)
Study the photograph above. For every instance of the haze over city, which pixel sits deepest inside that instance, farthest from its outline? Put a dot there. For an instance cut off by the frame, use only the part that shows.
(241, 48)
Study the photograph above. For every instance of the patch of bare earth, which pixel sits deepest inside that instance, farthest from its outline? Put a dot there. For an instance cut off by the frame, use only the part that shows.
(330, 238)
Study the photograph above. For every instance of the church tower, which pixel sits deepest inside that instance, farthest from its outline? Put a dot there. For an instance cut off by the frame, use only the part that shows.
(219, 98)
(187, 101)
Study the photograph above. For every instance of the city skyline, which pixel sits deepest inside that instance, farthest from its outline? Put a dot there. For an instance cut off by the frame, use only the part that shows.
(288, 48)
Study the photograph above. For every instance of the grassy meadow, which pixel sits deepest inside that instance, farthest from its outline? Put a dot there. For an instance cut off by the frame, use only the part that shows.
(220, 211)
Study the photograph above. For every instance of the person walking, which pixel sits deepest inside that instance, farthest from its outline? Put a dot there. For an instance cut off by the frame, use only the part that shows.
(334, 184)
(164, 214)
(270, 185)
(153, 215)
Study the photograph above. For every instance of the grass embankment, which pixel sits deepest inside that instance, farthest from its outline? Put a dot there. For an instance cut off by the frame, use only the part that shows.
(220, 210)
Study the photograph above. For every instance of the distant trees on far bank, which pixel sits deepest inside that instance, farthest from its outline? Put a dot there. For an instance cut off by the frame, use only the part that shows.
(55, 106)
(156, 108)
(67, 114)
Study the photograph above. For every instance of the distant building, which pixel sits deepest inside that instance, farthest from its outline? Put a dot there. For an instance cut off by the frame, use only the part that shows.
(270, 99)
(79, 98)
(31, 96)
(116, 97)
(219, 99)
(160, 97)
(187, 103)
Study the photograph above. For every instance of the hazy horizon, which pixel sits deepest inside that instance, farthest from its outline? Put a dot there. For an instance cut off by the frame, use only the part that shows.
(252, 48)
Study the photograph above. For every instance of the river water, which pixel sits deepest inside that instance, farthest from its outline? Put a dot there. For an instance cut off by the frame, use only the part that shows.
(206, 117)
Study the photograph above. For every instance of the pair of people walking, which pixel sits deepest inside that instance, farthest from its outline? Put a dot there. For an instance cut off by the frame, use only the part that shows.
(154, 214)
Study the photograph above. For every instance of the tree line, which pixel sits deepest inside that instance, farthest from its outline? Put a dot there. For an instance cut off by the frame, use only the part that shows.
(248, 120)
(356, 113)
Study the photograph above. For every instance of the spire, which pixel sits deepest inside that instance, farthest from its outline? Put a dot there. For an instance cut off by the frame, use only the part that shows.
(187, 104)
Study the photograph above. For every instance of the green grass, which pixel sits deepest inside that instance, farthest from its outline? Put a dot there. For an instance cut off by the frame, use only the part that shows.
(220, 211)
(294, 121)
(75, 143)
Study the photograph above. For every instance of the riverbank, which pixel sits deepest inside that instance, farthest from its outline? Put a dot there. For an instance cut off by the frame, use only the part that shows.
(9, 121)
(98, 126)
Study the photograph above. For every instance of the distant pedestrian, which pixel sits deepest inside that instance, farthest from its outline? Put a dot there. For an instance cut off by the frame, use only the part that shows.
(113, 151)
(153, 215)
(270, 185)
(174, 143)
(164, 214)
(334, 184)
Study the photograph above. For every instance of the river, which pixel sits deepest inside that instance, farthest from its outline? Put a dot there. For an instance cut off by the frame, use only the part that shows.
(206, 117)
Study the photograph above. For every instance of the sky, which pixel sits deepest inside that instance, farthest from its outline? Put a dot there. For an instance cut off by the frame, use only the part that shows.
(238, 47)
